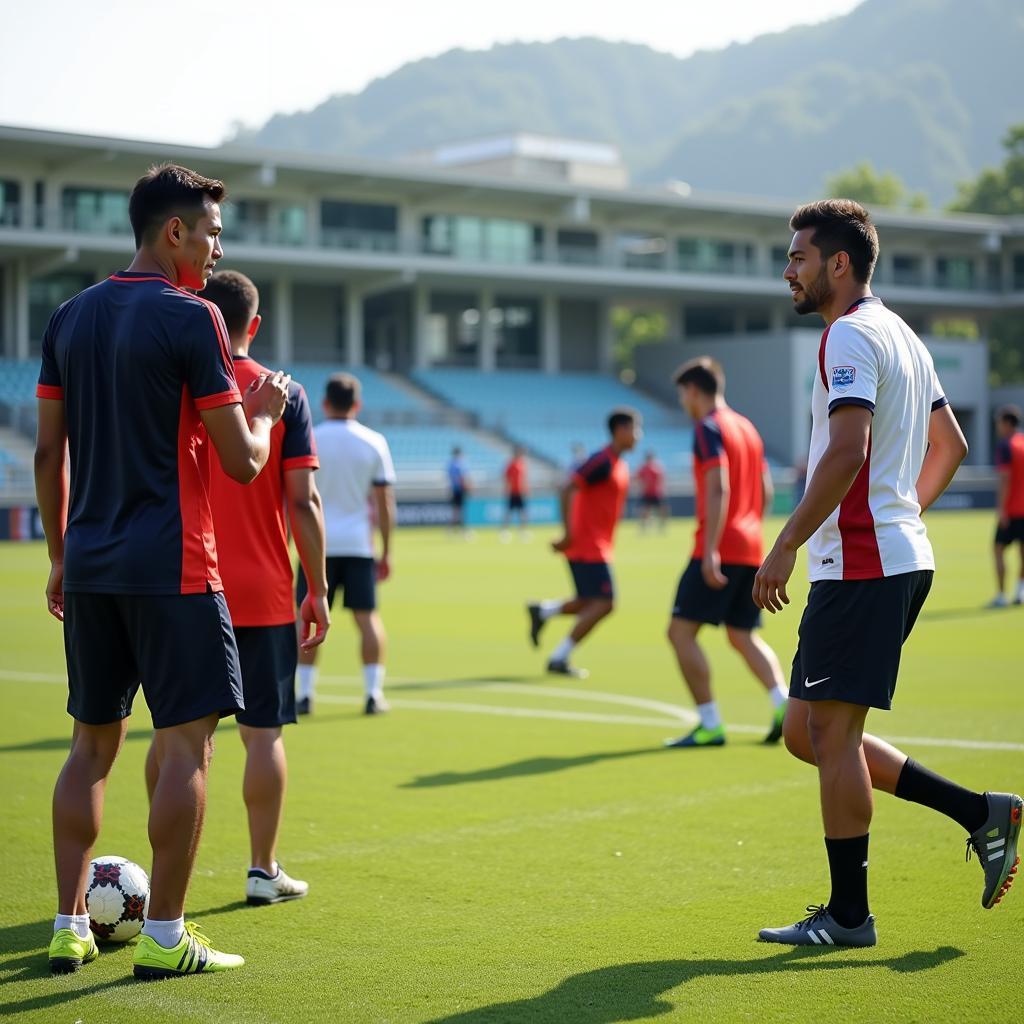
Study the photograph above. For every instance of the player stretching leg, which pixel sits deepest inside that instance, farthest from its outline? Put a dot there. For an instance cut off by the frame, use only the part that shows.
(133, 370)
(592, 502)
(1009, 500)
(884, 446)
(734, 489)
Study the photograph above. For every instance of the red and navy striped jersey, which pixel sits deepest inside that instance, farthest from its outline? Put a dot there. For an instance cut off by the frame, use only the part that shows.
(1010, 460)
(135, 359)
(602, 484)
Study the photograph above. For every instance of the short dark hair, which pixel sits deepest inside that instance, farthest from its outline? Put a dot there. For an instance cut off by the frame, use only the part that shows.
(704, 373)
(236, 297)
(620, 417)
(343, 391)
(169, 190)
(841, 225)
(1010, 414)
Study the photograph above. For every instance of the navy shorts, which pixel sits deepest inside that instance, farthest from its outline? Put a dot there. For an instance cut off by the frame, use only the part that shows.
(268, 656)
(851, 636)
(516, 503)
(458, 499)
(733, 604)
(1013, 531)
(651, 501)
(179, 647)
(356, 576)
(593, 579)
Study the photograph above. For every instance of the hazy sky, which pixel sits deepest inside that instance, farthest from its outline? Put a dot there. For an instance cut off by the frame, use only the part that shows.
(159, 71)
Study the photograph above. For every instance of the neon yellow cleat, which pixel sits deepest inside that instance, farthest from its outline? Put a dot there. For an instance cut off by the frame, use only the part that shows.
(193, 955)
(68, 951)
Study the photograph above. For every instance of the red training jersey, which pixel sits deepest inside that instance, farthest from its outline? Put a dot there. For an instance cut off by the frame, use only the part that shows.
(515, 477)
(727, 439)
(1010, 460)
(249, 519)
(652, 480)
(602, 485)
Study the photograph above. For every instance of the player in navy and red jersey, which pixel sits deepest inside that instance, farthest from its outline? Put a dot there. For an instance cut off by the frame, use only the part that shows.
(592, 504)
(1009, 500)
(136, 374)
(734, 489)
(652, 492)
(251, 524)
(516, 491)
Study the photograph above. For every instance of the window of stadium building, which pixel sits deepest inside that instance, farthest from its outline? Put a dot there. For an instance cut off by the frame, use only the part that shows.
(712, 256)
(492, 240)
(780, 259)
(45, 294)
(516, 325)
(96, 211)
(907, 269)
(352, 225)
(641, 251)
(955, 273)
(10, 203)
(578, 247)
(454, 329)
(1018, 271)
(256, 220)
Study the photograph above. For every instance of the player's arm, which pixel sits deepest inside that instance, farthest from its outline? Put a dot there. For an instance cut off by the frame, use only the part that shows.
(306, 515)
(849, 432)
(1002, 496)
(241, 433)
(767, 492)
(384, 499)
(716, 507)
(565, 505)
(947, 448)
(52, 493)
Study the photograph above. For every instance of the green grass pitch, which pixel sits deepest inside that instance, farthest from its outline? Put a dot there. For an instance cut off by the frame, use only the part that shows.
(508, 847)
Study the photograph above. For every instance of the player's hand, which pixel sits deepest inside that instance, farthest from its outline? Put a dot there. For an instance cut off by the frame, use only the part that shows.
(267, 396)
(383, 569)
(315, 617)
(770, 582)
(55, 591)
(563, 544)
(711, 570)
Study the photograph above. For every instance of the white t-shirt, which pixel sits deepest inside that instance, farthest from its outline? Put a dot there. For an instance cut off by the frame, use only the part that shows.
(353, 459)
(870, 357)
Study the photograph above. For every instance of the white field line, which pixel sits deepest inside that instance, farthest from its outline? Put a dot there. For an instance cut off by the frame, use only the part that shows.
(673, 715)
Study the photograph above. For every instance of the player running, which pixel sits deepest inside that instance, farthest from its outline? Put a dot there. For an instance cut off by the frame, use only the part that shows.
(252, 545)
(592, 502)
(355, 472)
(516, 492)
(1009, 500)
(884, 446)
(136, 373)
(734, 490)
(652, 493)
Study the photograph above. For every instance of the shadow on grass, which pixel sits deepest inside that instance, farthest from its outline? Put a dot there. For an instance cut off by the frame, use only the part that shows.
(635, 991)
(63, 743)
(460, 684)
(954, 614)
(518, 769)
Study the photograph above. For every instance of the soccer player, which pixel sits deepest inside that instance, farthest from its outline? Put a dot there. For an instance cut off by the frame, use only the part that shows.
(734, 490)
(355, 472)
(136, 374)
(458, 485)
(652, 492)
(1009, 500)
(592, 502)
(516, 490)
(252, 545)
(884, 446)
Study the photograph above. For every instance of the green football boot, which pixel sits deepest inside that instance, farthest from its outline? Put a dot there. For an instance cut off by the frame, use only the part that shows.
(193, 955)
(700, 737)
(69, 951)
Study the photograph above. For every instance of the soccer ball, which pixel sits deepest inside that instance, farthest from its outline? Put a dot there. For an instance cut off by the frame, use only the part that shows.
(117, 898)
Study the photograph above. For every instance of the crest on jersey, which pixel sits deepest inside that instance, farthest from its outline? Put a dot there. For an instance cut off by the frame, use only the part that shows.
(843, 378)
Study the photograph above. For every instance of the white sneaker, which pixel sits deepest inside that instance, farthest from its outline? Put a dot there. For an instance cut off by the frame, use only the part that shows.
(261, 890)
(999, 601)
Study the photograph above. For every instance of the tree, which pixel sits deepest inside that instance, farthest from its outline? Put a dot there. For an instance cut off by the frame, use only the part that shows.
(997, 190)
(632, 327)
(865, 185)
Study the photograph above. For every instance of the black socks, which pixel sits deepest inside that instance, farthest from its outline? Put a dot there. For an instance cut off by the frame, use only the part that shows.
(920, 786)
(848, 866)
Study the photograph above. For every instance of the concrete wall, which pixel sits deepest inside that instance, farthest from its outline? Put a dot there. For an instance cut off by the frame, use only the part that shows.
(316, 324)
(579, 326)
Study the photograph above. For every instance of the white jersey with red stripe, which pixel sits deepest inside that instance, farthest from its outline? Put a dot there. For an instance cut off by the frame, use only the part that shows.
(871, 358)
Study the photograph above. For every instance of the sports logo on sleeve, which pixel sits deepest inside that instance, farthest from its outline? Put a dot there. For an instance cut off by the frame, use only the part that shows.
(843, 378)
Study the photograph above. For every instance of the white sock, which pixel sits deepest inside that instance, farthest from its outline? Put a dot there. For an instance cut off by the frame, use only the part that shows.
(549, 608)
(709, 716)
(165, 933)
(1020, 590)
(306, 676)
(270, 874)
(563, 650)
(373, 680)
(778, 696)
(78, 923)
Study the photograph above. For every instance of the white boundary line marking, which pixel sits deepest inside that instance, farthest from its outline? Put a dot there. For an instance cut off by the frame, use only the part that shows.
(673, 715)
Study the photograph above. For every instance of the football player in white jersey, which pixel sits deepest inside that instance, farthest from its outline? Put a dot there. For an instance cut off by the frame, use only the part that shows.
(884, 446)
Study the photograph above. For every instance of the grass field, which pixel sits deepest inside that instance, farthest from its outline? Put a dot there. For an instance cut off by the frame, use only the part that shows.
(508, 847)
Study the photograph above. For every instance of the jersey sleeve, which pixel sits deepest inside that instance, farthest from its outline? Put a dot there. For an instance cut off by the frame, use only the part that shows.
(209, 368)
(50, 384)
(384, 474)
(595, 470)
(298, 448)
(938, 396)
(1004, 456)
(851, 368)
(708, 447)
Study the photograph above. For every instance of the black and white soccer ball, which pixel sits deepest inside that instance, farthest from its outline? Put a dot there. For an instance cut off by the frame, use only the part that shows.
(117, 898)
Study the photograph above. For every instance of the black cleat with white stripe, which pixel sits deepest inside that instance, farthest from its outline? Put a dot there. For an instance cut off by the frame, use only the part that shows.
(819, 928)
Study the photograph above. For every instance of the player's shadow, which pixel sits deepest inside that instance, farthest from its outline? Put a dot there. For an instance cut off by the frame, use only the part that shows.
(474, 682)
(953, 614)
(64, 742)
(519, 769)
(636, 991)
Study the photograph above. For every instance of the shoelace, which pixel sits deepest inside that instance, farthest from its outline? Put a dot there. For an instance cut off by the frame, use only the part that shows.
(813, 913)
(192, 929)
(973, 844)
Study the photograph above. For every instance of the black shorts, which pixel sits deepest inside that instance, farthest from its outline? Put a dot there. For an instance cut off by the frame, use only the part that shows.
(268, 656)
(179, 647)
(1013, 531)
(356, 576)
(733, 604)
(851, 635)
(458, 499)
(516, 503)
(593, 579)
(651, 501)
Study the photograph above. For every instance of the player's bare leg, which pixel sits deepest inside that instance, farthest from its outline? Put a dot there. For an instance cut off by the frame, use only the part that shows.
(682, 635)
(589, 612)
(372, 650)
(78, 807)
(263, 789)
(836, 731)
(999, 552)
(764, 664)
